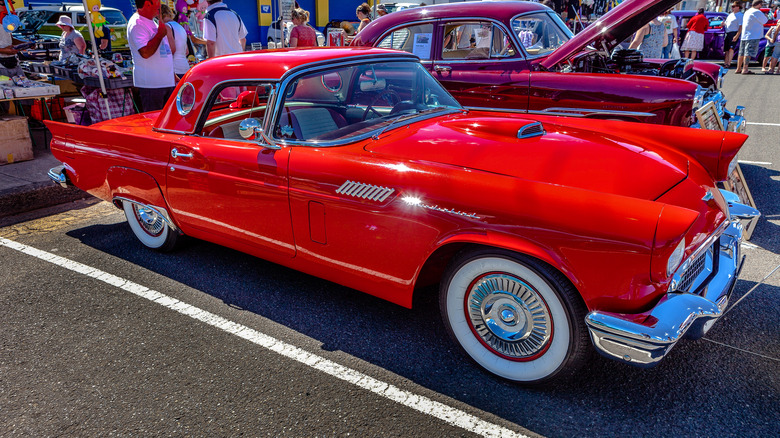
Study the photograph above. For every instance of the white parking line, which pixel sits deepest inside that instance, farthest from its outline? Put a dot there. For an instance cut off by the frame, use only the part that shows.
(763, 124)
(763, 163)
(420, 403)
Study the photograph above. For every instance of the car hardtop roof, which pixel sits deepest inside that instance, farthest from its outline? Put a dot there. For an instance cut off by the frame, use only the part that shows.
(694, 12)
(475, 9)
(275, 63)
(261, 65)
(59, 7)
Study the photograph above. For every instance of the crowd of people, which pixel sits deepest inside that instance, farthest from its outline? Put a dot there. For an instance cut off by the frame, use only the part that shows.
(159, 47)
(742, 30)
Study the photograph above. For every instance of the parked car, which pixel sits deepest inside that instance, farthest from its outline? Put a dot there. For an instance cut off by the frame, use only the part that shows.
(355, 165)
(274, 34)
(42, 19)
(521, 56)
(397, 6)
(714, 35)
(349, 26)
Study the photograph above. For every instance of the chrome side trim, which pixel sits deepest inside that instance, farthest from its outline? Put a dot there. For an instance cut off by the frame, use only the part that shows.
(677, 315)
(593, 112)
(368, 192)
(58, 176)
(566, 112)
(159, 210)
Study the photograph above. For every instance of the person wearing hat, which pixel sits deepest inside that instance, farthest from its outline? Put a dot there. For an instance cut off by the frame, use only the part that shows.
(71, 40)
(381, 11)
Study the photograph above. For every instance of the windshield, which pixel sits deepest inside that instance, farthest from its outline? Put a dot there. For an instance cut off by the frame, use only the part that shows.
(357, 100)
(540, 33)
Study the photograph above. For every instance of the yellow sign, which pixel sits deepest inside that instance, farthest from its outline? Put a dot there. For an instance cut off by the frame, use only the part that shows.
(264, 17)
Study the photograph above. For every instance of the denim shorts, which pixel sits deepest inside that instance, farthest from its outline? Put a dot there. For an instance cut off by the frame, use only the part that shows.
(748, 48)
(776, 53)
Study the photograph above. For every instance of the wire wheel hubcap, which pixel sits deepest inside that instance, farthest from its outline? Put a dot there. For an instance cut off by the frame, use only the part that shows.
(150, 221)
(509, 316)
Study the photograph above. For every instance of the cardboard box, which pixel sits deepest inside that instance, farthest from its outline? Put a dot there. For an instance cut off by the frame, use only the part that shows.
(15, 143)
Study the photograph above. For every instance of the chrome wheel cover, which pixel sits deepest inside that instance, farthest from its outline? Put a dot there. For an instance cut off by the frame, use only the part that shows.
(509, 316)
(151, 222)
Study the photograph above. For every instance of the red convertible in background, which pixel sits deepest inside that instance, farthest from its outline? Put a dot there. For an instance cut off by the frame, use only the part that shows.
(521, 56)
(355, 165)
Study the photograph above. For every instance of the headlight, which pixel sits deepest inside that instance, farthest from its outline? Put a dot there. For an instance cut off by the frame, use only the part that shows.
(675, 259)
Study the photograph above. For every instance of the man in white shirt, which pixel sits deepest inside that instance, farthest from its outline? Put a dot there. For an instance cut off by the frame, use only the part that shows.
(152, 56)
(752, 32)
(671, 33)
(223, 30)
(733, 28)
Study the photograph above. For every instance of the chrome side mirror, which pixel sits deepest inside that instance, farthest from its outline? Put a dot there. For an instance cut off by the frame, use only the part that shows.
(250, 128)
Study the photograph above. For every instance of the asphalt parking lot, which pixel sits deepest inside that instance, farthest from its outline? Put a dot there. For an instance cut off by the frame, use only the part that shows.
(103, 337)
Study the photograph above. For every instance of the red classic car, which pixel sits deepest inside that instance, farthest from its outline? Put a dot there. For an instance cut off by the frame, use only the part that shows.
(355, 165)
(521, 56)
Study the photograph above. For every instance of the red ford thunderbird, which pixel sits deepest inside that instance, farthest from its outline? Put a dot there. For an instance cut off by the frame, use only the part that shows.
(520, 56)
(355, 165)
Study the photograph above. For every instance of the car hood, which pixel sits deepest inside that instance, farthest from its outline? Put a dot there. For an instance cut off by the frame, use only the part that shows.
(564, 155)
(611, 29)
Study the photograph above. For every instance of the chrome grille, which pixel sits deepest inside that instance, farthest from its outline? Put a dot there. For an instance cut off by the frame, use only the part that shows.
(695, 268)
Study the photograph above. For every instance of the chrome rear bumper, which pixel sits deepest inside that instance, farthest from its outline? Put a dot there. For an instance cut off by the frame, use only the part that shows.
(676, 315)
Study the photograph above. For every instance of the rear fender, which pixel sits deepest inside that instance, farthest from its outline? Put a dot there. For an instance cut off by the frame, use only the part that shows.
(134, 185)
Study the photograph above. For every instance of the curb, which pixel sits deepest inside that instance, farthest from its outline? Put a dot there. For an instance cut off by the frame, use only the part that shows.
(37, 195)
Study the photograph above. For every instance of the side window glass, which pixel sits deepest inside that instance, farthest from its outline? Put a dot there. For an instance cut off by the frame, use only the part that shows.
(233, 104)
(416, 39)
(501, 46)
(81, 18)
(475, 40)
(541, 33)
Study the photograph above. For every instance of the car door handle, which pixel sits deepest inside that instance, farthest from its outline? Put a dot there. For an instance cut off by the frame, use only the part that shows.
(442, 68)
(175, 153)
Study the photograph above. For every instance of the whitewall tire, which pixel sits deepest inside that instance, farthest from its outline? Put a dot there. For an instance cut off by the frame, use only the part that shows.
(150, 227)
(514, 316)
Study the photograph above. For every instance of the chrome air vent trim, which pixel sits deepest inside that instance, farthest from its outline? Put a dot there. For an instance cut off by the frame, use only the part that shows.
(369, 192)
(531, 130)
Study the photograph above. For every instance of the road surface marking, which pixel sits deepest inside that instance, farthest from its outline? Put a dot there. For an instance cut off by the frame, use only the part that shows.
(765, 163)
(419, 403)
(763, 124)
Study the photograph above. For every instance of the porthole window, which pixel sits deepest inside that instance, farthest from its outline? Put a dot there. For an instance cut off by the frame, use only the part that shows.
(185, 100)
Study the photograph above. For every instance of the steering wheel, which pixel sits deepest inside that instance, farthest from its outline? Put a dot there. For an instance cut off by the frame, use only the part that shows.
(388, 97)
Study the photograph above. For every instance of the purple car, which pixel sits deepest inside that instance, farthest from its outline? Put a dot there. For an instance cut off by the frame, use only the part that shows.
(714, 36)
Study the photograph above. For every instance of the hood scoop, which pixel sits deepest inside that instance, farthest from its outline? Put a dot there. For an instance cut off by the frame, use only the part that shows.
(531, 130)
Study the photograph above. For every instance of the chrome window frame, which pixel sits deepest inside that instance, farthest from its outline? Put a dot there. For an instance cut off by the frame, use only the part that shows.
(182, 112)
(519, 54)
(553, 16)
